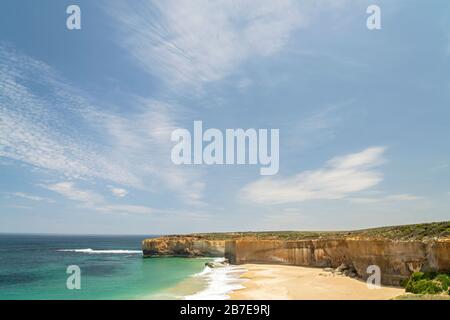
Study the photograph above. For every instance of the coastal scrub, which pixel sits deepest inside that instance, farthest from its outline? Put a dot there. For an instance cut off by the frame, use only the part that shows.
(428, 283)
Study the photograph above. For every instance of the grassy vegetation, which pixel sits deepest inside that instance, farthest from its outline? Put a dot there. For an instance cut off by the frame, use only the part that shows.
(426, 283)
(422, 297)
(423, 231)
(413, 231)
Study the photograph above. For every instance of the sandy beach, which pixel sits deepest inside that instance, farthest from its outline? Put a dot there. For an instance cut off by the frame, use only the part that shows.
(272, 282)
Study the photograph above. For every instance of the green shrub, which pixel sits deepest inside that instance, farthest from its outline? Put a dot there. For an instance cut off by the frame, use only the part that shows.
(404, 282)
(427, 283)
(426, 287)
(430, 275)
(416, 276)
(444, 280)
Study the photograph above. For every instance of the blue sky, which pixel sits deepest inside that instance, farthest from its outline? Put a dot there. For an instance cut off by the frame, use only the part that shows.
(86, 115)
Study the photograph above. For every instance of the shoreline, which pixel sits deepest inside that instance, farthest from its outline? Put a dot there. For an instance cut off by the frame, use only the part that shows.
(220, 281)
(216, 283)
(279, 282)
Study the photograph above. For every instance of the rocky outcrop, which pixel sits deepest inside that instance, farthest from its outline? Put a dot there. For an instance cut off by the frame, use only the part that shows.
(183, 246)
(396, 259)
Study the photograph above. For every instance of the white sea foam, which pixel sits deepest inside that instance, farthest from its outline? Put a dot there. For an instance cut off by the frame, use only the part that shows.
(92, 251)
(204, 272)
(221, 282)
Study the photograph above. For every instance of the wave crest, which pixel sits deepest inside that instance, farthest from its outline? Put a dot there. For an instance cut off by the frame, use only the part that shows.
(221, 281)
(92, 251)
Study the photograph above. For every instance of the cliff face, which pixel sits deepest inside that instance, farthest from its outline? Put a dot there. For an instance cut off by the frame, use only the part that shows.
(396, 250)
(396, 259)
(183, 246)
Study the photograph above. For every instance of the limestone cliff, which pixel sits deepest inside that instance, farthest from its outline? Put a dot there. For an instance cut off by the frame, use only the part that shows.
(183, 246)
(396, 259)
(398, 251)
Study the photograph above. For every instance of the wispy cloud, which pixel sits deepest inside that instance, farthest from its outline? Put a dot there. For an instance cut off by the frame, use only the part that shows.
(341, 177)
(68, 190)
(34, 128)
(18, 207)
(93, 200)
(41, 128)
(388, 198)
(118, 192)
(439, 167)
(142, 141)
(202, 41)
(32, 197)
(127, 209)
(315, 127)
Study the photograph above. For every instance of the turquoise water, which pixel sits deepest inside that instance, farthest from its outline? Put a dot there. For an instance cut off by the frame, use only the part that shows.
(34, 267)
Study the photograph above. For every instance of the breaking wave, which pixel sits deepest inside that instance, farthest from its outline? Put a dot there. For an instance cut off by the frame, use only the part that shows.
(92, 251)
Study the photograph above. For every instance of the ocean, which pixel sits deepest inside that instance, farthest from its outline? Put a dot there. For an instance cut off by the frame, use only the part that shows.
(111, 267)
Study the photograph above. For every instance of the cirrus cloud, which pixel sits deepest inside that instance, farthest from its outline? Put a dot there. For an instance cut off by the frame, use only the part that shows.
(202, 41)
(119, 192)
(92, 200)
(339, 178)
(42, 130)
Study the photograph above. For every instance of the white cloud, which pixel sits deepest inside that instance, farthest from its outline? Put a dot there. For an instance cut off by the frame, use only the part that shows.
(341, 177)
(119, 192)
(19, 207)
(31, 197)
(389, 198)
(132, 209)
(403, 197)
(244, 83)
(142, 142)
(201, 41)
(42, 130)
(68, 190)
(34, 128)
(92, 200)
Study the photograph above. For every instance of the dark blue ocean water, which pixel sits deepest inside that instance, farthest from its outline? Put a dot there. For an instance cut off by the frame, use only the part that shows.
(112, 267)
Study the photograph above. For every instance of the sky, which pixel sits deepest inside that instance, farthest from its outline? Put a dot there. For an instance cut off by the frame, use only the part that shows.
(86, 115)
